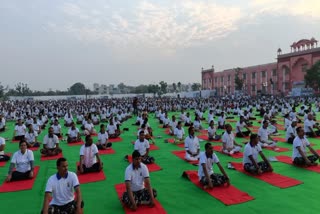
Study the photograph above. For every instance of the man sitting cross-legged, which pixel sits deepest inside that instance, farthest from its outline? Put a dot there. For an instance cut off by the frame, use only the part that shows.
(192, 146)
(299, 153)
(31, 137)
(3, 156)
(239, 126)
(206, 175)
(73, 134)
(138, 186)
(250, 157)
(142, 146)
(50, 144)
(228, 143)
(103, 139)
(89, 157)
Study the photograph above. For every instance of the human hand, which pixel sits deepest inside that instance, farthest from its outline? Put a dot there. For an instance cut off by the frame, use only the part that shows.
(133, 207)
(259, 171)
(152, 203)
(31, 174)
(8, 179)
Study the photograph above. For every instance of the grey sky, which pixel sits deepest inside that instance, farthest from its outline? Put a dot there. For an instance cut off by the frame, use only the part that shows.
(53, 44)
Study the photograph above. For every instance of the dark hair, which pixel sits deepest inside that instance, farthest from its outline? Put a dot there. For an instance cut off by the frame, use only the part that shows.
(135, 154)
(22, 141)
(189, 129)
(207, 146)
(298, 129)
(253, 136)
(102, 125)
(141, 132)
(60, 160)
(87, 137)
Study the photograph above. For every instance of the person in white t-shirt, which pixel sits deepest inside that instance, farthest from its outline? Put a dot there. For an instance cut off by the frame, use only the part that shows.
(207, 177)
(310, 125)
(173, 124)
(138, 185)
(23, 161)
(143, 147)
(212, 132)
(250, 157)
(2, 123)
(31, 137)
(291, 132)
(179, 133)
(112, 129)
(103, 137)
(89, 157)
(192, 146)
(197, 123)
(64, 189)
(19, 131)
(229, 145)
(3, 156)
(239, 127)
(50, 144)
(264, 136)
(73, 134)
(56, 128)
(89, 128)
(299, 153)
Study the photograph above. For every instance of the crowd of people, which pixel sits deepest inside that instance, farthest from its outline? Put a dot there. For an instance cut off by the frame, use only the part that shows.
(34, 117)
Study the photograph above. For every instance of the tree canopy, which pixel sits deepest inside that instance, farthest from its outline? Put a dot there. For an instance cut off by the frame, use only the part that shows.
(312, 77)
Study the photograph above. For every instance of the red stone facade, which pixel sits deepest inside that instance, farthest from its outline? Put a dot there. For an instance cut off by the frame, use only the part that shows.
(272, 78)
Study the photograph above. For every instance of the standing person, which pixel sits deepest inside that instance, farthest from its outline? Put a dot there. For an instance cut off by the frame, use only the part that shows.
(138, 185)
(23, 160)
(61, 187)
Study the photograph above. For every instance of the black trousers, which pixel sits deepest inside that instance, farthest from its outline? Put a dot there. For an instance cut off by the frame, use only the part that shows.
(18, 176)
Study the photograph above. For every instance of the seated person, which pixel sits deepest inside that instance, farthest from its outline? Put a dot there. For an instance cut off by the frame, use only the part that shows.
(165, 121)
(251, 116)
(187, 120)
(138, 186)
(61, 187)
(112, 130)
(36, 125)
(139, 120)
(229, 145)
(239, 127)
(73, 134)
(146, 133)
(68, 119)
(103, 116)
(56, 128)
(19, 131)
(287, 122)
(207, 177)
(221, 121)
(95, 119)
(173, 124)
(250, 157)
(103, 139)
(212, 132)
(291, 132)
(23, 161)
(272, 128)
(264, 137)
(89, 128)
(89, 157)
(2, 123)
(179, 133)
(79, 118)
(192, 146)
(299, 153)
(142, 146)
(210, 116)
(31, 137)
(309, 126)
(197, 124)
(50, 144)
(3, 156)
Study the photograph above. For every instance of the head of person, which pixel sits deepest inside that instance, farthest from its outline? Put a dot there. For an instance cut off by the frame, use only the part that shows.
(300, 132)
(179, 125)
(228, 128)
(173, 118)
(50, 132)
(294, 123)
(30, 127)
(88, 140)
(19, 122)
(102, 128)
(73, 126)
(265, 124)
(56, 122)
(141, 136)
(211, 124)
(191, 130)
(208, 148)
(62, 166)
(136, 158)
(23, 146)
(241, 119)
(310, 116)
(254, 140)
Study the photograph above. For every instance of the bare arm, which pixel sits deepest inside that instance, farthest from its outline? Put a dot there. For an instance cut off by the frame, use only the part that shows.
(79, 199)
(149, 188)
(130, 194)
(266, 160)
(313, 151)
(303, 155)
(223, 172)
(46, 202)
(203, 165)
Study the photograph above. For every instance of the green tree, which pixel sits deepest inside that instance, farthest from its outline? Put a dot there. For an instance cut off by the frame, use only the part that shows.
(121, 87)
(23, 89)
(179, 86)
(174, 86)
(237, 81)
(163, 87)
(312, 77)
(77, 89)
(152, 88)
(195, 86)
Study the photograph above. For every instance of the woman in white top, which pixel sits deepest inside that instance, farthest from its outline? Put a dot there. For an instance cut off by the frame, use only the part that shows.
(212, 132)
(19, 131)
(103, 139)
(89, 157)
(23, 161)
(179, 133)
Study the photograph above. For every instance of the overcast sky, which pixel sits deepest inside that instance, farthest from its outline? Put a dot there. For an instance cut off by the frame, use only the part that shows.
(53, 44)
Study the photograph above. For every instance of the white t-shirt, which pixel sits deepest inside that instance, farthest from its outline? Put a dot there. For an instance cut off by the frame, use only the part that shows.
(31, 137)
(308, 123)
(20, 130)
(179, 133)
(51, 142)
(22, 161)
(263, 134)
(228, 140)
(251, 150)
(302, 143)
(136, 176)
(73, 132)
(111, 129)
(62, 189)
(2, 123)
(211, 131)
(208, 161)
(102, 138)
(56, 129)
(290, 131)
(141, 146)
(191, 144)
(239, 126)
(89, 154)
(221, 120)
(2, 141)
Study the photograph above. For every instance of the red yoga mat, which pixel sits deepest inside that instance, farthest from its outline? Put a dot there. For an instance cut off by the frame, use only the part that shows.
(288, 160)
(279, 139)
(44, 158)
(15, 186)
(231, 120)
(152, 146)
(229, 195)
(114, 140)
(167, 131)
(91, 177)
(205, 137)
(235, 155)
(106, 151)
(142, 209)
(151, 167)
(15, 141)
(3, 163)
(77, 143)
(277, 149)
(270, 177)
(181, 154)
(94, 135)
(34, 148)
